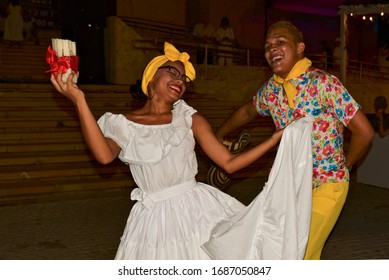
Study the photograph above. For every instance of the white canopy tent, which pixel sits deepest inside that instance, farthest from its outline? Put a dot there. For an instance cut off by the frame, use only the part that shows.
(344, 11)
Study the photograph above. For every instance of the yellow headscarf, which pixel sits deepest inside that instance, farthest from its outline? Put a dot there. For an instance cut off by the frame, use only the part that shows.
(171, 54)
(299, 68)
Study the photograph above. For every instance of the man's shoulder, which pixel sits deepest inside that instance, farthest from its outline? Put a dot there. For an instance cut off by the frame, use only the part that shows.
(316, 73)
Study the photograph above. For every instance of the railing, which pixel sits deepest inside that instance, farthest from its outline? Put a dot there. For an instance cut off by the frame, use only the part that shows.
(255, 58)
(370, 70)
(164, 28)
(241, 56)
(182, 38)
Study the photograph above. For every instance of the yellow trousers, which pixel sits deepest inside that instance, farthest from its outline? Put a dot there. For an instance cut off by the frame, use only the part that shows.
(327, 203)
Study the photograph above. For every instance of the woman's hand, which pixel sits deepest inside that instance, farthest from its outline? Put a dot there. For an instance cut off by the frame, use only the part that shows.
(68, 89)
(276, 137)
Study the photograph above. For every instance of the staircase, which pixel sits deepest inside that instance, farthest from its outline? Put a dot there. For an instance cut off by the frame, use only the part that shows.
(24, 64)
(42, 150)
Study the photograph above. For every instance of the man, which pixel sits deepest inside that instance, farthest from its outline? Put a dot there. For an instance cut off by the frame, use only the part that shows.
(295, 90)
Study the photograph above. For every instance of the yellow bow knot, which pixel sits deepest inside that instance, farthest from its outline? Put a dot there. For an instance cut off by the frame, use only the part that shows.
(290, 89)
(171, 54)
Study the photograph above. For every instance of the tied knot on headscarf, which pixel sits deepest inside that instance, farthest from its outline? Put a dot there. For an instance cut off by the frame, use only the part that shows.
(290, 89)
(173, 54)
(170, 54)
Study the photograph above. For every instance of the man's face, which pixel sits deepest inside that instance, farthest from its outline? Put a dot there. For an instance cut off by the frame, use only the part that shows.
(282, 52)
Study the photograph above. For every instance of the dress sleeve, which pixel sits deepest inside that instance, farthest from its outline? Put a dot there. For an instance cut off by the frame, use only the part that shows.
(114, 127)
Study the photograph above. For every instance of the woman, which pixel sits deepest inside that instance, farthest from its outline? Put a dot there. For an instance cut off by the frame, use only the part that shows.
(13, 26)
(174, 214)
(381, 126)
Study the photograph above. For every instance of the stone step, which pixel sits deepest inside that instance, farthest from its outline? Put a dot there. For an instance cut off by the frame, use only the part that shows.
(26, 62)
(45, 158)
(40, 137)
(40, 123)
(63, 170)
(53, 186)
(36, 129)
(10, 114)
(41, 89)
(30, 104)
(43, 147)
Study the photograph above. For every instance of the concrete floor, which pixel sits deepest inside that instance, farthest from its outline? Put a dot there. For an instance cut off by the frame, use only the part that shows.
(88, 226)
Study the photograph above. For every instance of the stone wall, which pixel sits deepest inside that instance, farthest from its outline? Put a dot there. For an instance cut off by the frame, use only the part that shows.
(123, 60)
(366, 92)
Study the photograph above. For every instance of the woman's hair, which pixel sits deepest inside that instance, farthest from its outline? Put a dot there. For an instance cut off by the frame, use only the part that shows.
(294, 31)
(225, 21)
(15, 2)
(380, 103)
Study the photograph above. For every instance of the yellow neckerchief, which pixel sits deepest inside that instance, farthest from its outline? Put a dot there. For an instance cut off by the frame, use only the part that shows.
(299, 68)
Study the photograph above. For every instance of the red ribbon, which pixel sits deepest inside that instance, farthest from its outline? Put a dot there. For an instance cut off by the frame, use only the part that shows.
(60, 64)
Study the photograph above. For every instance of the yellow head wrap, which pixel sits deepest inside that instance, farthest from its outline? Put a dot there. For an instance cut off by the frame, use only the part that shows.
(299, 68)
(171, 54)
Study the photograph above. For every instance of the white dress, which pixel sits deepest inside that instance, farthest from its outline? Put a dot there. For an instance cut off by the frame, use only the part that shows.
(178, 218)
(174, 214)
(275, 226)
(13, 26)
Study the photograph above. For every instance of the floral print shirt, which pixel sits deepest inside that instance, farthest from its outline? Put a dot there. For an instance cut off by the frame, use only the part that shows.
(325, 98)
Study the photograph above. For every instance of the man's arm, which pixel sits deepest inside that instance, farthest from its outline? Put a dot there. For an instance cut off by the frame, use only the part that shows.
(244, 114)
(361, 135)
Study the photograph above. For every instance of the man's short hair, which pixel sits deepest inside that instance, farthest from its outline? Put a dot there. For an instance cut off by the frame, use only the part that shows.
(296, 33)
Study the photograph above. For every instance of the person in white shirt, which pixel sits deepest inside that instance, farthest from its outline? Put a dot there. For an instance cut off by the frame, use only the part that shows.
(204, 33)
(226, 40)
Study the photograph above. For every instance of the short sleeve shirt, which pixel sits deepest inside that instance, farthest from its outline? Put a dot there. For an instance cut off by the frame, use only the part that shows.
(322, 96)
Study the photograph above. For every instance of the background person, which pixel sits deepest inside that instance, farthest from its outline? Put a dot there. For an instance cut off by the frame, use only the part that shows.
(225, 38)
(383, 57)
(382, 119)
(204, 33)
(14, 24)
(337, 52)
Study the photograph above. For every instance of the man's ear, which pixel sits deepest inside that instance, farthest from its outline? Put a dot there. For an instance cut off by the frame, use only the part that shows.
(300, 48)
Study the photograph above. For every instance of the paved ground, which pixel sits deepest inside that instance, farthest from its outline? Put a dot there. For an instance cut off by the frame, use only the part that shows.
(88, 227)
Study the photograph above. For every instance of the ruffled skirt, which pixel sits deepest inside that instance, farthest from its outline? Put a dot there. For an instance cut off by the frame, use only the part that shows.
(176, 228)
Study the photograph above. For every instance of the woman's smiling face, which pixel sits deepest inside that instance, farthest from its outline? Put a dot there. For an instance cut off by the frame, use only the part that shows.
(169, 80)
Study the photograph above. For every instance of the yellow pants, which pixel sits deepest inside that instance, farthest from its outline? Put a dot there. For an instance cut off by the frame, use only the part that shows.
(327, 203)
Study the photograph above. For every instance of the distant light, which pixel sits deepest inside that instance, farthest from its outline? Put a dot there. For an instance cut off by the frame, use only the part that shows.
(382, 14)
(371, 19)
(351, 14)
(364, 17)
(89, 25)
